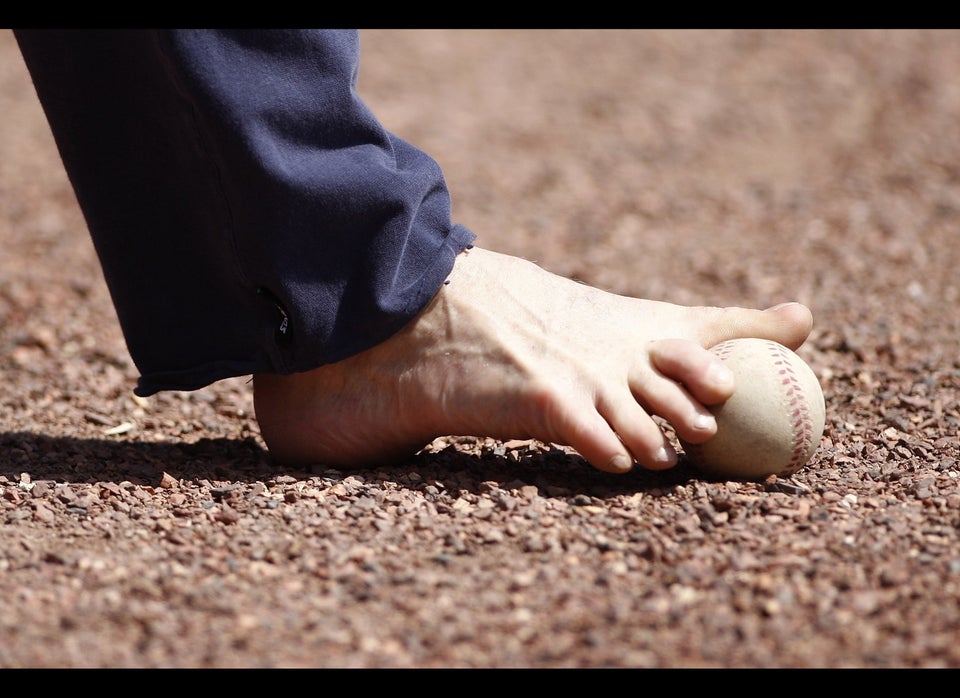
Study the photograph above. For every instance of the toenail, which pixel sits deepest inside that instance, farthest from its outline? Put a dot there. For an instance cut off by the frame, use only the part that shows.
(666, 456)
(720, 375)
(621, 463)
(704, 422)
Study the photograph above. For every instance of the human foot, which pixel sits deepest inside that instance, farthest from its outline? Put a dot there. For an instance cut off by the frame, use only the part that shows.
(509, 350)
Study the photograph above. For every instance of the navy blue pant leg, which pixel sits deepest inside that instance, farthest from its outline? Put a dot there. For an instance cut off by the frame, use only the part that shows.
(250, 213)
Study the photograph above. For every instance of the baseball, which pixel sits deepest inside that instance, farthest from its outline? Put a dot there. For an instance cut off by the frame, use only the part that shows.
(772, 423)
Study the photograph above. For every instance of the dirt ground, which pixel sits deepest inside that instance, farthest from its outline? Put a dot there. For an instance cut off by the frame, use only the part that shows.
(700, 167)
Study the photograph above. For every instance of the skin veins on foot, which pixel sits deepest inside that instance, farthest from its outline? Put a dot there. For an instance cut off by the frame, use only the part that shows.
(541, 357)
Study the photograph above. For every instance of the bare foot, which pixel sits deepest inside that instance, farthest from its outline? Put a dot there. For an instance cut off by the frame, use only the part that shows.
(509, 350)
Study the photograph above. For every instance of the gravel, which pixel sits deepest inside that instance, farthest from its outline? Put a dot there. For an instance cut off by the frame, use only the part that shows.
(699, 167)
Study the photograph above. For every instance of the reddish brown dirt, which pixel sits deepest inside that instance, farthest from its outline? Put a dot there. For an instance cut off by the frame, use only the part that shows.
(707, 167)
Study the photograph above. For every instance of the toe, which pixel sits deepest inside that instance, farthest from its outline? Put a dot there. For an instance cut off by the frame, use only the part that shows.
(685, 373)
(788, 323)
(639, 433)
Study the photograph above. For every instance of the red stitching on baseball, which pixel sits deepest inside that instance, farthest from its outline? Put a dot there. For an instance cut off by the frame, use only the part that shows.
(803, 425)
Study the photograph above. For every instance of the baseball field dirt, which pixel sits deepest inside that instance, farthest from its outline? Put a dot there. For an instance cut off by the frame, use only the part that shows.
(707, 167)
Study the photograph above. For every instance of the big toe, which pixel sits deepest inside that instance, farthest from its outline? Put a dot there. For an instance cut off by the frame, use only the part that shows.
(788, 323)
